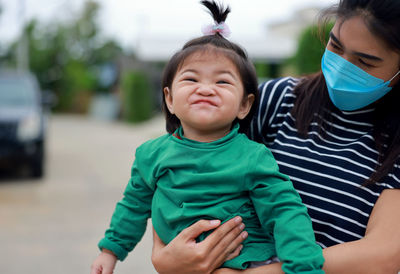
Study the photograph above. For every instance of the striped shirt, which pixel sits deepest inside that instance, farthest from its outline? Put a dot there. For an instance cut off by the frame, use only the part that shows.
(328, 169)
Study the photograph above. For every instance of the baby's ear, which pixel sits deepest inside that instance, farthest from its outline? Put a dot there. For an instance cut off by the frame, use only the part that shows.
(245, 107)
(168, 99)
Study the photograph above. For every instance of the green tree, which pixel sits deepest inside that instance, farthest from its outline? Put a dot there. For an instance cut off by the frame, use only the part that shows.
(310, 49)
(65, 56)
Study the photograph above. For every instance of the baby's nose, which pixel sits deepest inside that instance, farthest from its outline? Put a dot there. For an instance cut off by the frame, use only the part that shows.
(205, 90)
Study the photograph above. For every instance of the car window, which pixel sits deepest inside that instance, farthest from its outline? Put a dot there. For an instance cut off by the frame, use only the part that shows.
(16, 92)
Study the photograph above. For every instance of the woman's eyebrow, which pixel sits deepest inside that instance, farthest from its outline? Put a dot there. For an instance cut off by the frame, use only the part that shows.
(361, 54)
(368, 56)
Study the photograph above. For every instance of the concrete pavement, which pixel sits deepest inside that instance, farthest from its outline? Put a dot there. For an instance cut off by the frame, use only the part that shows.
(52, 226)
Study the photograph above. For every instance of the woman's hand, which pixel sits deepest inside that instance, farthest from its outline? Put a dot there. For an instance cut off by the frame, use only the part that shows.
(275, 268)
(227, 271)
(184, 255)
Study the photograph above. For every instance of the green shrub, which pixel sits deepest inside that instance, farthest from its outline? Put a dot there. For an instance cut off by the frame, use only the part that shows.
(77, 83)
(137, 98)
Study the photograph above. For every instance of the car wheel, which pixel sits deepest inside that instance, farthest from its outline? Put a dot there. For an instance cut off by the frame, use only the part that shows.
(37, 165)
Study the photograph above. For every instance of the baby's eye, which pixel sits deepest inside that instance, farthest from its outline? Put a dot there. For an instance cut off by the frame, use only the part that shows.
(190, 79)
(223, 82)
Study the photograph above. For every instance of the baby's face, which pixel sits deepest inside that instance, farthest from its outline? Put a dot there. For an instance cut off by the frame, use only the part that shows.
(207, 93)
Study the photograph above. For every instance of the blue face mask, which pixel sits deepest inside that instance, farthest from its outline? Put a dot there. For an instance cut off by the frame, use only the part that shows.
(349, 87)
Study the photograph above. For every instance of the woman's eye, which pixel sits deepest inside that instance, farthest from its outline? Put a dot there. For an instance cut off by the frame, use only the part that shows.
(365, 64)
(336, 47)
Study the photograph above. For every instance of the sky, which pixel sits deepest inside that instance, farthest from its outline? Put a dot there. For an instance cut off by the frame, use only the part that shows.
(128, 20)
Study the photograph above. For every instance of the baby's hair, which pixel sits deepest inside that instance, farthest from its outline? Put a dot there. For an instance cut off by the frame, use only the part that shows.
(217, 44)
(218, 13)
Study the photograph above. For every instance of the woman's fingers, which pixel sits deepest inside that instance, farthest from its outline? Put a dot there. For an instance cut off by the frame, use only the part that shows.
(235, 253)
(183, 251)
(226, 271)
(226, 233)
(190, 233)
(224, 252)
(225, 242)
(201, 257)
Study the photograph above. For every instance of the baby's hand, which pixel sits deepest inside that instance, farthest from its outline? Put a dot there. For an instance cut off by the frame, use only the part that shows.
(104, 263)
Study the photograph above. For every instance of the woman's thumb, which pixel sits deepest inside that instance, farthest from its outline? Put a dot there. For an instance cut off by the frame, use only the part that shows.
(157, 243)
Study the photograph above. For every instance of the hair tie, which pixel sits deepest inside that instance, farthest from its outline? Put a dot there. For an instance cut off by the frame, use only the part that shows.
(220, 28)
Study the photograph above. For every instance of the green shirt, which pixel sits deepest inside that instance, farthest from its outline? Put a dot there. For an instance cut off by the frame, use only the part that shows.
(177, 181)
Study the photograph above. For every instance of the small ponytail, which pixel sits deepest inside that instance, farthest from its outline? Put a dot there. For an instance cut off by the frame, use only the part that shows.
(218, 12)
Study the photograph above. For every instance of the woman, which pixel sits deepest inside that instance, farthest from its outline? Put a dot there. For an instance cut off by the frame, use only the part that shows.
(337, 135)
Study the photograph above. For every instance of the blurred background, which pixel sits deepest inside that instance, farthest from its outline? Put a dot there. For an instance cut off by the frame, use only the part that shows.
(80, 90)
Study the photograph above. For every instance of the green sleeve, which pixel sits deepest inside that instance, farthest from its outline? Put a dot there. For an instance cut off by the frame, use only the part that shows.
(129, 220)
(281, 211)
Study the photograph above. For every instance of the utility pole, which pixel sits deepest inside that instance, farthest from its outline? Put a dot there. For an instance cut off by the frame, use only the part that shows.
(23, 47)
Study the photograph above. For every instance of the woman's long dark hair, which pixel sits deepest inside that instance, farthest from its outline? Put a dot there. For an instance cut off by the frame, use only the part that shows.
(218, 44)
(382, 18)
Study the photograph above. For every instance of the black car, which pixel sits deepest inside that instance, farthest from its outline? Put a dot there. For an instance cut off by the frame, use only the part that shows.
(23, 121)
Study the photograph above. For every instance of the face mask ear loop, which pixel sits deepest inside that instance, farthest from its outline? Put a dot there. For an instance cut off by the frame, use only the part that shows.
(391, 79)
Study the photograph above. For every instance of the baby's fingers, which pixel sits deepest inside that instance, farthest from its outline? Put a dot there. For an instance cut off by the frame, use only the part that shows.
(104, 263)
(95, 269)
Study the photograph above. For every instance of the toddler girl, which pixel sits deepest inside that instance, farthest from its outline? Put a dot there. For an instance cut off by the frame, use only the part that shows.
(206, 168)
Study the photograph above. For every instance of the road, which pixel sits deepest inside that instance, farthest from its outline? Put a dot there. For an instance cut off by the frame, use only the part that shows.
(52, 226)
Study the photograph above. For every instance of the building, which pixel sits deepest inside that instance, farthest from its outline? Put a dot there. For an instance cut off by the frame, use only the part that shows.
(278, 43)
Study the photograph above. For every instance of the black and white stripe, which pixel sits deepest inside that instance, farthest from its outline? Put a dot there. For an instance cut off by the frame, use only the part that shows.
(329, 167)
